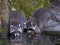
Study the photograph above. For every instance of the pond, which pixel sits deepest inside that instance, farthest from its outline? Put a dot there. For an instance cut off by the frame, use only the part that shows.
(26, 39)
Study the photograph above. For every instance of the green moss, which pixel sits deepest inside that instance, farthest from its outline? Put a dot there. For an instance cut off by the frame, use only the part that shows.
(28, 6)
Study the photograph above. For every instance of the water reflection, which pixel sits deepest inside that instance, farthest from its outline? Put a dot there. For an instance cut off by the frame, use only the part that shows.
(26, 39)
(3, 42)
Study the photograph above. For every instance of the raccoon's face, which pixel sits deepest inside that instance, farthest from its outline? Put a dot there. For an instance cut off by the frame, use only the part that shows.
(29, 28)
(15, 28)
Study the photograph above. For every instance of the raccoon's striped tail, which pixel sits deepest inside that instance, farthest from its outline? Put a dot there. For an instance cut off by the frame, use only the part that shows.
(55, 18)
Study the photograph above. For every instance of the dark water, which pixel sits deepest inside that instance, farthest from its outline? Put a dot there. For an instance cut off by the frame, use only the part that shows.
(29, 40)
